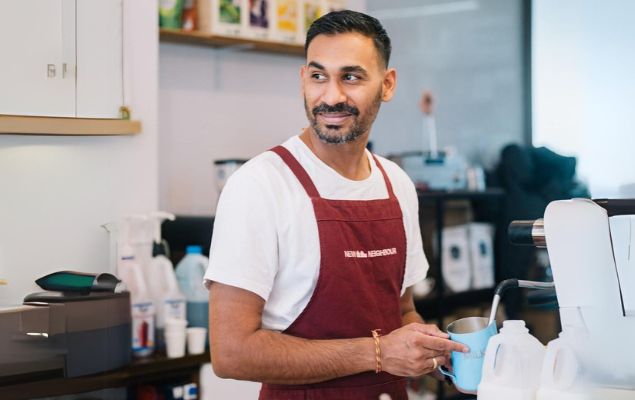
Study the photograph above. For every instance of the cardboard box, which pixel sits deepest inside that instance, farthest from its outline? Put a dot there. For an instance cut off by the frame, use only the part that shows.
(481, 237)
(455, 258)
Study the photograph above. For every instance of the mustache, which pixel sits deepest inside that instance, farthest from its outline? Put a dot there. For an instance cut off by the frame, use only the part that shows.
(337, 108)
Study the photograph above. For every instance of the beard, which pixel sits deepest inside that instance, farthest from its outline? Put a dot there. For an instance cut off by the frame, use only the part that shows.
(337, 134)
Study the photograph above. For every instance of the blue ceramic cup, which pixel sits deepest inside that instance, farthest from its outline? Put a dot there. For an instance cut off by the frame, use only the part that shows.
(474, 332)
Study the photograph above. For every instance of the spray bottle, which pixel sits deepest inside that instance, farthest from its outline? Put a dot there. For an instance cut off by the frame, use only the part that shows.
(164, 288)
(130, 272)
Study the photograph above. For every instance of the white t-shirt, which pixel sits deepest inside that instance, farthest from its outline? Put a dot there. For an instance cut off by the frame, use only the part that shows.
(265, 236)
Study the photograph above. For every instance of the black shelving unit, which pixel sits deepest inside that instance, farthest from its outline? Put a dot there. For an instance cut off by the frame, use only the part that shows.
(154, 369)
(438, 303)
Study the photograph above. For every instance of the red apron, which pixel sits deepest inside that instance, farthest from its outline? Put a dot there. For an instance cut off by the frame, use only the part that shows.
(362, 264)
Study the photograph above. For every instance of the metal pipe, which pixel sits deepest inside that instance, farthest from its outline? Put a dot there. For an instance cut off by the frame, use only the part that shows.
(527, 233)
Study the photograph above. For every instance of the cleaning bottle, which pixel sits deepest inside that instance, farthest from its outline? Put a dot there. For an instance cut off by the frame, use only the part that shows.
(190, 272)
(162, 283)
(142, 307)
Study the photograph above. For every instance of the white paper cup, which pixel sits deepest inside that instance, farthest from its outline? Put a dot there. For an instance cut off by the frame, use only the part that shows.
(196, 340)
(175, 344)
(175, 325)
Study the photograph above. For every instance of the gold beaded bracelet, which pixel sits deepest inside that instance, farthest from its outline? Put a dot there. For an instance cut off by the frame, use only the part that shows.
(376, 334)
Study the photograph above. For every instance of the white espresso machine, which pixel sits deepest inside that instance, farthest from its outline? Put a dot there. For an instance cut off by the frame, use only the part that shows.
(591, 246)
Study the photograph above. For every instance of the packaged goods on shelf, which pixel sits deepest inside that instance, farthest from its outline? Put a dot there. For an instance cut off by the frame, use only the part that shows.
(227, 17)
(455, 259)
(170, 12)
(258, 21)
(311, 10)
(482, 255)
(189, 18)
(286, 21)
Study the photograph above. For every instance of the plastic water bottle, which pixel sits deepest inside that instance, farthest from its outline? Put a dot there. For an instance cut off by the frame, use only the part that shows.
(512, 364)
(190, 272)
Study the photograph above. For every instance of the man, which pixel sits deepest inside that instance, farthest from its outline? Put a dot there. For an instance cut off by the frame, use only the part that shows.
(316, 243)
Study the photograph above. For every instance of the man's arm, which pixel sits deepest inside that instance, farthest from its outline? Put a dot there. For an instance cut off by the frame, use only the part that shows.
(241, 349)
(409, 313)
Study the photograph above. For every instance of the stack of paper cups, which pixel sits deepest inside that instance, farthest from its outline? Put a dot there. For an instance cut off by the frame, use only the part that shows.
(175, 337)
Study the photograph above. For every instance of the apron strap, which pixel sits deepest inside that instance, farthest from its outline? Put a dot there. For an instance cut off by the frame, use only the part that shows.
(306, 181)
(391, 194)
(297, 170)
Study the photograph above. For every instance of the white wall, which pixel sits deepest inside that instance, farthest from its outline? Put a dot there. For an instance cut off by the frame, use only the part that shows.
(469, 53)
(583, 87)
(215, 104)
(55, 192)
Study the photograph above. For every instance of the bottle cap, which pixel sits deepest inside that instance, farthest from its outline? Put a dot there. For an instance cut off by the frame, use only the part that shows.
(192, 249)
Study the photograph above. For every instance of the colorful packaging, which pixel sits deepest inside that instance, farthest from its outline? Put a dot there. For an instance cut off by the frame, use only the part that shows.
(170, 13)
(259, 20)
(286, 27)
(311, 10)
(227, 17)
(189, 16)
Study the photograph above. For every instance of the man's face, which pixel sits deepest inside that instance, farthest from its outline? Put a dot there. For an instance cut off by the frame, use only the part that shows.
(344, 83)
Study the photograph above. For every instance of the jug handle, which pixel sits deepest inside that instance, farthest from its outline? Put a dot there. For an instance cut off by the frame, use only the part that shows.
(515, 361)
(549, 367)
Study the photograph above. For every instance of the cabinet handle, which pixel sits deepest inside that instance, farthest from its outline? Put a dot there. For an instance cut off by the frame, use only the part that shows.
(50, 70)
(64, 70)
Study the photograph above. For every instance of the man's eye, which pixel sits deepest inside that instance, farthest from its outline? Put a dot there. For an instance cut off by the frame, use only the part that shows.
(318, 76)
(351, 78)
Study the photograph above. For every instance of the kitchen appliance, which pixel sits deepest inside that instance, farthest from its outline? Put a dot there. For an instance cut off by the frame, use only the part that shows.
(82, 330)
(446, 171)
(433, 169)
(591, 245)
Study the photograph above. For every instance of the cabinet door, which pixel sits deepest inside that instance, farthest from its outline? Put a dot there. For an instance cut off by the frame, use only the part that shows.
(37, 53)
(99, 58)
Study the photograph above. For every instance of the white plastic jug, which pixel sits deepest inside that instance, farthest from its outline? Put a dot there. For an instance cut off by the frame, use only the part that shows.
(512, 364)
(190, 272)
(561, 377)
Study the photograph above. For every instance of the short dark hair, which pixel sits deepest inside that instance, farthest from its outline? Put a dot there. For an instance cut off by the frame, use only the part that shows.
(347, 21)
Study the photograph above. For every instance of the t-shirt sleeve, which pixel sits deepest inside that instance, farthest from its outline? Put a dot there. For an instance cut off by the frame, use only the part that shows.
(416, 261)
(244, 249)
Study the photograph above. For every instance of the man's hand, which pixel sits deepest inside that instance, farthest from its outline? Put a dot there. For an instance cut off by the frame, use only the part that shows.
(409, 350)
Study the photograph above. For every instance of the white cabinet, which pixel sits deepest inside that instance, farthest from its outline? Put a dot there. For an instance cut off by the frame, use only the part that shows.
(61, 58)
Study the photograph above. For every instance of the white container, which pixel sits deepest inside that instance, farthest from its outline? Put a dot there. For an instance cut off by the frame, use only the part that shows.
(161, 279)
(512, 365)
(165, 291)
(561, 377)
(175, 344)
(142, 307)
(196, 338)
(481, 237)
(190, 272)
(455, 258)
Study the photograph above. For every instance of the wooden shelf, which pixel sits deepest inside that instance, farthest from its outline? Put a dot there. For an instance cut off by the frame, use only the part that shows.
(155, 369)
(208, 39)
(21, 125)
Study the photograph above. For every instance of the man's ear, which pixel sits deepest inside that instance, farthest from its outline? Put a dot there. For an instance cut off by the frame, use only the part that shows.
(303, 70)
(389, 84)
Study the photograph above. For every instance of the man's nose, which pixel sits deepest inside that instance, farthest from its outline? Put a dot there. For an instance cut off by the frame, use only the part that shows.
(334, 93)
